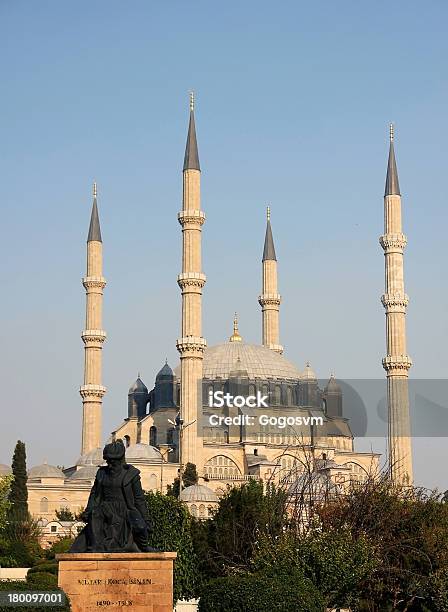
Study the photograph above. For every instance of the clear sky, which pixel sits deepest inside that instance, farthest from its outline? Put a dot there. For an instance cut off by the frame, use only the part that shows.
(293, 105)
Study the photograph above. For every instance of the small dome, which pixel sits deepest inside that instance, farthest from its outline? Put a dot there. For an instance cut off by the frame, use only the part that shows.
(88, 472)
(314, 485)
(45, 471)
(198, 493)
(332, 385)
(142, 452)
(5, 470)
(308, 373)
(138, 387)
(165, 371)
(93, 457)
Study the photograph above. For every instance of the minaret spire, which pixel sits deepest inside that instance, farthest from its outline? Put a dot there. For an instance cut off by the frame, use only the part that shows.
(397, 362)
(93, 336)
(392, 184)
(235, 337)
(270, 299)
(191, 159)
(191, 344)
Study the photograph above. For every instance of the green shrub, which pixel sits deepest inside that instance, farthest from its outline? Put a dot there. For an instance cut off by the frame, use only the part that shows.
(9, 585)
(172, 532)
(60, 546)
(45, 580)
(44, 566)
(261, 593)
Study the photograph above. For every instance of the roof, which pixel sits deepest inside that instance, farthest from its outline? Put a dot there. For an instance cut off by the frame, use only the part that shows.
(198, 493)
(269, 249)
(257, 361)
(165, 371)
(94, 228)
(142, 452)
(88, 472)
(45, 471)
(392, 185)
(138, 387)
(308, 373)
(191, 159)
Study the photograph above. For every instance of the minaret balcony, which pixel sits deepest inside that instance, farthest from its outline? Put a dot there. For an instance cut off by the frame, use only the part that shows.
(93, 337)
(270, 299)
(191, 282)
(195, 217)
(191, 346)
(395, 302)
(397, 362)
(92, 392)
(94, 284)
(393, 243)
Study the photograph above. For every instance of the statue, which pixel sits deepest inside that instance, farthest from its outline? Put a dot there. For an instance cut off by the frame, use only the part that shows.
(116, 515)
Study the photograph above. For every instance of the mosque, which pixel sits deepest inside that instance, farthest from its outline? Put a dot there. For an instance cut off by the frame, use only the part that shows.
(173, 421)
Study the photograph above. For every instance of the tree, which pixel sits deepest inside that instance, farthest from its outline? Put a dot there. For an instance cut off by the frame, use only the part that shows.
(18, 493)
(189, 477)
(5, 484)
(65, 514)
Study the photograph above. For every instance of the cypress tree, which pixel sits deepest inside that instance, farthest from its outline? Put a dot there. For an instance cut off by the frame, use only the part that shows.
(18, 493)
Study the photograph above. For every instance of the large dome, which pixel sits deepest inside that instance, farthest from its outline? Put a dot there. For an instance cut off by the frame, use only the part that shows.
(258, 361)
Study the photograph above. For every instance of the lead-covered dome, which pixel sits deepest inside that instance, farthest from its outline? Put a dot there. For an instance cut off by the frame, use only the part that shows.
(93, 457)
(198, 493)
(138, 387)
(142, 452)
(45, 471)
(257, 361)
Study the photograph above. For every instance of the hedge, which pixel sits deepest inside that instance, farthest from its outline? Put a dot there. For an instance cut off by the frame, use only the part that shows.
(261, 593)
(13, 585)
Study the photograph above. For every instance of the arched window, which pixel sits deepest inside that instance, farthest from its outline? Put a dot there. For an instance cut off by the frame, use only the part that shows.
(252, 390)
(127, 441)
(153, 436)
(289, 399)
(44, 504)
(202, 511)
(230, 467)
(65, 504)
(194, 510)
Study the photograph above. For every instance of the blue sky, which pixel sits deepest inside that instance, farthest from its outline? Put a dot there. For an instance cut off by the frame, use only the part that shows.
(293, 105)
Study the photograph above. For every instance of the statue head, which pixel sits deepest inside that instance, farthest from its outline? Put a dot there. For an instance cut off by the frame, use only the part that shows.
(114, 452)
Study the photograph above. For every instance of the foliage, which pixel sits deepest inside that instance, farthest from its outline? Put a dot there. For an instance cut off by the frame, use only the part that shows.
(261, 593)
(18, 493)
(409, 529)
(65, 514)
(27, 586)
(44, 580)
(62, 545)
(226, 542)
(334, 561)
(172, 523)
(19, 540)
(189, 477)
(5, 504)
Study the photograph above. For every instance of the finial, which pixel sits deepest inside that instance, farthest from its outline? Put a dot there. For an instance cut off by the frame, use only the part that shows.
(308, 364)
(94, 189)
(138, 375)
(235, 337)
(166, 360)
(268, 213)
(192, 100)
(391, 132)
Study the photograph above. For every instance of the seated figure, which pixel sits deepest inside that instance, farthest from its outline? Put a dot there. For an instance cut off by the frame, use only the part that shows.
(116, 515)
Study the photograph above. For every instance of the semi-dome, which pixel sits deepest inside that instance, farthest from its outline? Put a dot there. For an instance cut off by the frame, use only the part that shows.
(45, 471)
(198, 493)
(138, 387)
(142, 452)
(93, 457)
(257, 361)
(5, 470)
(88, 472)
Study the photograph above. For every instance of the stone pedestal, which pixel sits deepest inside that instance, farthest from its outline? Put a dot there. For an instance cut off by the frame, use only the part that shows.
(118, 581)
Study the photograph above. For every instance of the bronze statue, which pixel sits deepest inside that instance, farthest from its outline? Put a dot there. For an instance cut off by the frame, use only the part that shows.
(116, 513)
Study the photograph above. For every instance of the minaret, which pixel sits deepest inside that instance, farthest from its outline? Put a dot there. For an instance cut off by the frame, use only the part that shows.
(93, 336)
(397, 362)
(270, 299)
(191, 344)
